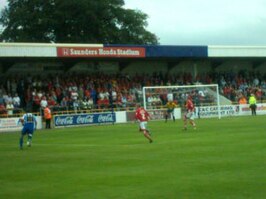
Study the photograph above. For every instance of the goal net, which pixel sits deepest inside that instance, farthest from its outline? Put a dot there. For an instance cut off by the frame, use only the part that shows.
(205, 98)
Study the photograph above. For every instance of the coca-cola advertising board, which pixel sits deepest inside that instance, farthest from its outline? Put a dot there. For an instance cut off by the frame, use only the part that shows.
(84, 119)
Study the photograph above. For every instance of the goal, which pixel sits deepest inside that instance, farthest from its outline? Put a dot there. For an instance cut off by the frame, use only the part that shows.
(205, 97)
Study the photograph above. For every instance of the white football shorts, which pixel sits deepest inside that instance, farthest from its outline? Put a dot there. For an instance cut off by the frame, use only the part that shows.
(190, 115)
(143, 125)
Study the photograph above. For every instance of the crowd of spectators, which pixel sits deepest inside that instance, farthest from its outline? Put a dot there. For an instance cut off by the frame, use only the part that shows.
(65, 92)
(236, 86)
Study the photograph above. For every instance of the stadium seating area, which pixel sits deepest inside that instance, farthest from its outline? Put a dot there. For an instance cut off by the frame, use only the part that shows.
(79, 92)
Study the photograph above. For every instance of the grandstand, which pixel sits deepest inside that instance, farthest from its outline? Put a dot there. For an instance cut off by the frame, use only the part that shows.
(83, 77)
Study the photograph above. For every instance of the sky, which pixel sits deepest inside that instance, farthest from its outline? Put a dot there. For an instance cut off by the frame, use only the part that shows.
(203, 22)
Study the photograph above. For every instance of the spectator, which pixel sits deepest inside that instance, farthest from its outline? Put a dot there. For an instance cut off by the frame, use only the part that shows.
(106, 102)
(40, 94)
(74, 94)
(16, 101)
(9, 108)
(131, 99)
(256, 81)
(93, 94)
(259, 94)
(51, 102)
(149, 100)
(8, 99)
(36, 103)
(118, 101)
(242, 99)
(114, 95)
(157, 101)
(2, 101)
(84, 105)
(90, 103)
(13, 86)
(53, 96)
(2, 109)
(43, 102)
(124, 101)
(81, 92)
(76, 105)
(65, 103)
(100, 94)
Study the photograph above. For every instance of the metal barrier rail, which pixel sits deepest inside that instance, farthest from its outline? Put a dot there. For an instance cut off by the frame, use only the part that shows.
(58, 110)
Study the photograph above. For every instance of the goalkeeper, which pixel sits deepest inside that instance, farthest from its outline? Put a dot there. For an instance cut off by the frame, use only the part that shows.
(171, 105)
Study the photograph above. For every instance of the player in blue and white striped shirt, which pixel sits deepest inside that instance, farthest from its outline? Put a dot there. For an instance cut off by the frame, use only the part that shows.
(29, 123)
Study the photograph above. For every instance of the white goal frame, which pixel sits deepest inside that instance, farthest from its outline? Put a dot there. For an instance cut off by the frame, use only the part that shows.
(185, 86)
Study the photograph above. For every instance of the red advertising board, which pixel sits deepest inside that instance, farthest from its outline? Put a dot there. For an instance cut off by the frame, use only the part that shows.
(126, 52)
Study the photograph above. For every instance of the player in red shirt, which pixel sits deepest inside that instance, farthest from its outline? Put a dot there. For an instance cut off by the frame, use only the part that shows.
(143, 117)
(189, 115)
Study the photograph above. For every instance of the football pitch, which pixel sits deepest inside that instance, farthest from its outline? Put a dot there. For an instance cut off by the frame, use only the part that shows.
(223, 158)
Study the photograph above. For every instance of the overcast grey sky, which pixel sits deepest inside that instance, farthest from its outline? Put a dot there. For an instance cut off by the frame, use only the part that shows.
(204, 22)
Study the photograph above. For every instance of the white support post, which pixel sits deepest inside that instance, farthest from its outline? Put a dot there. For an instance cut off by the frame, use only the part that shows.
(144, 97)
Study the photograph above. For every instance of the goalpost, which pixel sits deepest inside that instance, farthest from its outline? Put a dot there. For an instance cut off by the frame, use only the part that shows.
(203, 95)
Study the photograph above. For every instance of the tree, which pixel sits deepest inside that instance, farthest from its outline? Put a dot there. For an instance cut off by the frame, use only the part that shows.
(71, 21)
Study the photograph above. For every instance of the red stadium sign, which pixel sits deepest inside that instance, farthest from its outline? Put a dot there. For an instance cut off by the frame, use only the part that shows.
(126, 52)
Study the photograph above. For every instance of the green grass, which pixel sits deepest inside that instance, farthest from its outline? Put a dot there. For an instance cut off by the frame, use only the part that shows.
(222, 159)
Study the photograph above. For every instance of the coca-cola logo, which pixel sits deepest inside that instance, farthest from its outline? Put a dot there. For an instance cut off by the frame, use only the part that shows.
(106, 118)
(85, 119)
(61, 121)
